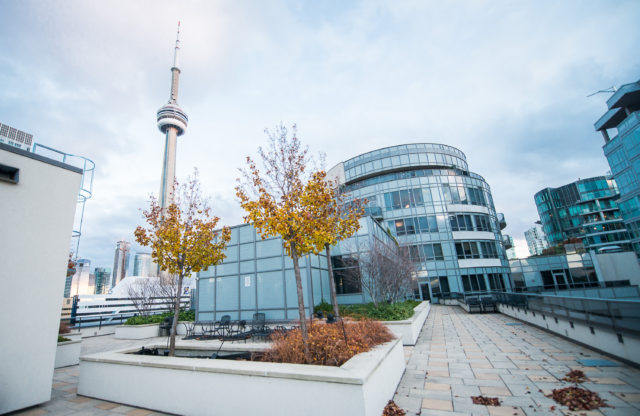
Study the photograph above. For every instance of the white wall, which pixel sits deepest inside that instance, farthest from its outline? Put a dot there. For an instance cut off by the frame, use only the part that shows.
(36, 220)
(602, 339)
(618, 266)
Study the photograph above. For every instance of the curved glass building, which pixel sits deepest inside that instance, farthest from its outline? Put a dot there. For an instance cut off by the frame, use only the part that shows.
(425, 196)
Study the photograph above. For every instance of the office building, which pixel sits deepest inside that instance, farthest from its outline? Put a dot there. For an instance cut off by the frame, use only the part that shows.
(623, 153)
(586, 275)
(426, 197)
(82, 282)
(585, 209)
(536, 239)
(258, 276)
(143, 265)
(102, 280)
(121, 262)
(511, 251)
(16, 138)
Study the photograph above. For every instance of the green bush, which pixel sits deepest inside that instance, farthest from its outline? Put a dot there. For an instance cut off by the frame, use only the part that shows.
(62, 339)
(189, 315)
(383, 312)
(323, 307)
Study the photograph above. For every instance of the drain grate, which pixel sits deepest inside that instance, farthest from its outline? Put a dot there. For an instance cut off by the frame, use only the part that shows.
(513, 323)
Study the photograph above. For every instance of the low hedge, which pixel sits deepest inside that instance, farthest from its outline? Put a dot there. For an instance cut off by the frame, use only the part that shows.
(189, 315)
(383, 312)
(63, 339)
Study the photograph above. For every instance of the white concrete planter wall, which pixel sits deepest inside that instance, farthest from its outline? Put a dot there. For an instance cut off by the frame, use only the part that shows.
(68, 353)
(362, 386)
(137, 331)
(181, 329)
(409, 329)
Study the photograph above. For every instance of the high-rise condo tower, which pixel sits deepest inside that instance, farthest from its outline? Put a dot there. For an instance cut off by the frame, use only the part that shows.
(172, 121)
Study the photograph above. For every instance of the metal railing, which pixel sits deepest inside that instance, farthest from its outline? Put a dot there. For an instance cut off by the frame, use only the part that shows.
(620, 315)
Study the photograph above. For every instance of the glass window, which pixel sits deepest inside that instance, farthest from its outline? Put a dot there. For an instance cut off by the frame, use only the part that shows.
(270, 290)
(246, 251)
(227, 293)
(273, 263)
(269, 248)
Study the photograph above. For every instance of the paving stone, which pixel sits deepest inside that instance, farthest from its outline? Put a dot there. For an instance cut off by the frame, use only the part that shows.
(505, 411)
(495, 391)
(435, 404)
(437, 386)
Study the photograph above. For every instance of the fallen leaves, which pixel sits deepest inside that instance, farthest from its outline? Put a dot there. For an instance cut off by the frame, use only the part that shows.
(576, 398)
(392, 409)
(487, 401)
(575, 376)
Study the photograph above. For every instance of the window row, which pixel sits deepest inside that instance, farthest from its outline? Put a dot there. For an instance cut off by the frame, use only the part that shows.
(413, 225)
(474, 283)
(476, 250)
(470, 222)
(422, 252)
(459, 194)
(406, 198)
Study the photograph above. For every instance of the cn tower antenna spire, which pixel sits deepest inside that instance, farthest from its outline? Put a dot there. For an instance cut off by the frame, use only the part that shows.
(175, 53)
(172, 121)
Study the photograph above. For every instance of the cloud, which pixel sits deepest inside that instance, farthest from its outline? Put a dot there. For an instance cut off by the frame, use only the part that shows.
(505, 82)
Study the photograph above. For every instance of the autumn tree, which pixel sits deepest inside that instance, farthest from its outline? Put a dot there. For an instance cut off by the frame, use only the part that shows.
(183, 238)
(273, 200)
(336, 218)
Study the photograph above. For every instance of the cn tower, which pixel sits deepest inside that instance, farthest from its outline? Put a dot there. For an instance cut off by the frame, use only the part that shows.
(172, 121)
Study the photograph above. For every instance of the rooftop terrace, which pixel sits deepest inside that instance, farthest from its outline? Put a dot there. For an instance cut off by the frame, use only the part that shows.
(458, 355)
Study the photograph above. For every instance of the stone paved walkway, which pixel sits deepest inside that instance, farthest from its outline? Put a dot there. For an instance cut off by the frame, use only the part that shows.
(457, 356)
(460, 355)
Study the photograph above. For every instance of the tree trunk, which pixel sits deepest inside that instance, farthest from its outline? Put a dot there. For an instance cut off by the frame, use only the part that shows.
(301, 312)
(176, 316)
(332, 283)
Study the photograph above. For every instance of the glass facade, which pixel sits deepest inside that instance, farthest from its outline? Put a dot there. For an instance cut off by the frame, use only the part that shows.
(585, 209)
(623, 153)
(559, 272)
(429, 201)
(257, 276)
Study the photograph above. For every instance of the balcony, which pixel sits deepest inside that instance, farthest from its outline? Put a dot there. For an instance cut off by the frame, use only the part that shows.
(501, 221)
(506, 241)
(626, 96)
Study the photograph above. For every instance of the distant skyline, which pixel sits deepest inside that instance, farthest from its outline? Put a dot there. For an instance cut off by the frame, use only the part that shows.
(505, 82)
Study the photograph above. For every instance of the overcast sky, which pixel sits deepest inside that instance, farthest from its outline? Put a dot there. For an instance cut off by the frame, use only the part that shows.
(505, 82)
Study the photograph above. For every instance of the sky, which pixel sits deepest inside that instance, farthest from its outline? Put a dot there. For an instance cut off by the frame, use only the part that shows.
(505, 82)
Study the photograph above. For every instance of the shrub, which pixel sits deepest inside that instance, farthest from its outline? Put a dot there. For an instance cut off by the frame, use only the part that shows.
(323, 307)
(383, 312)
(64, 328)
(62, 339)
(327, 344)
(188, 315)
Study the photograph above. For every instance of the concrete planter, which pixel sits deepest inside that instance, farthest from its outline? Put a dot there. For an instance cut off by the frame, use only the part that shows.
(68, 353)
(362, 386)
(181, 329)
(137, 331)
(409, 329)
